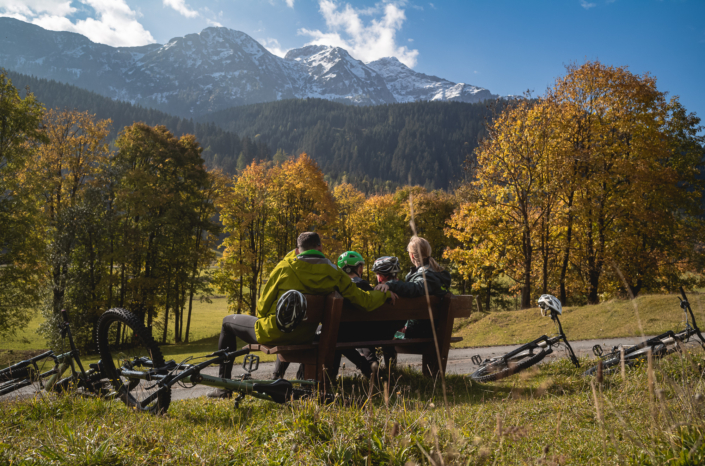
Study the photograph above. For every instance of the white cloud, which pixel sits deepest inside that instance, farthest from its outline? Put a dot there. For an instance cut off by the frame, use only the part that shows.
(26, 9)
(114, 22)
(587, 5)
(181, 7)
(213, 23)
(433, 6)
(290, 3)
(365, 42)
(273, 46)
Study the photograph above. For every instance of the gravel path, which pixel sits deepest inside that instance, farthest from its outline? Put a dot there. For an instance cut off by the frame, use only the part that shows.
(458, 363)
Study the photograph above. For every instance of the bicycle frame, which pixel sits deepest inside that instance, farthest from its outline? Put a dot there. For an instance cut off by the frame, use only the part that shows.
(541, 342)
(679, 337)
(62, 363)
(277, 391)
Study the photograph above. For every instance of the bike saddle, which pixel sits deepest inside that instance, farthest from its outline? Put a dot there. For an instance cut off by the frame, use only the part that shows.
(279, 390)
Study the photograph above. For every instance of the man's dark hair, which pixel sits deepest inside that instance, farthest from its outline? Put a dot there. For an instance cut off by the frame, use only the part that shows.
(308, 240)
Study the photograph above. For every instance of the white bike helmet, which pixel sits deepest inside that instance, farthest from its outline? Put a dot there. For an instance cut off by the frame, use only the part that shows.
(549, 303)
(291, 311)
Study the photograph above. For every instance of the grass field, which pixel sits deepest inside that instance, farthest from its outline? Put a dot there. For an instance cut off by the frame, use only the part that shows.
(549, 416)
(206, 321)
(657, 313)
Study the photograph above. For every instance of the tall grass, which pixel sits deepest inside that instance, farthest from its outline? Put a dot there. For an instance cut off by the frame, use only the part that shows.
(548, 415)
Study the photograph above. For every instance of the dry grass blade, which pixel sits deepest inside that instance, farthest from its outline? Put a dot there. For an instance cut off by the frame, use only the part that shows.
(430, 310)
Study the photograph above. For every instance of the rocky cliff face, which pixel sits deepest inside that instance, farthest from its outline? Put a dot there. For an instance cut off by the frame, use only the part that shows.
(216, 69)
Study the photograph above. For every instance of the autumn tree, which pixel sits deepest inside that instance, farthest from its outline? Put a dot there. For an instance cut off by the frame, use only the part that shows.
(511, 196)
(21, 239)
(264, 210)
(246, 211)
(599, 177)
(349, 201)
(303, 202)
(164, 197)
(628, 181)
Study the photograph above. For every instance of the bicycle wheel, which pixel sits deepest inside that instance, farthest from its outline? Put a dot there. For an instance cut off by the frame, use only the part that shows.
(609, 366)
(11, 374)
(499, 368)
(125, 344)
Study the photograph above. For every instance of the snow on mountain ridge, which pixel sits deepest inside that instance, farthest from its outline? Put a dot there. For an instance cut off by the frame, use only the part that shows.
(215, 69)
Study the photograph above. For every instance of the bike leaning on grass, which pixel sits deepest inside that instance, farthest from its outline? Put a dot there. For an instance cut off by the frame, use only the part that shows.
(659, 346)
(141, 378)
(529, 354)
(28, 372)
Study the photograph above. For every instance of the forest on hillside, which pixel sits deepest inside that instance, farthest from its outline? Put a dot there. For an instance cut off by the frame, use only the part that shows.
(374, 148)
(423, 143)
(221, 148)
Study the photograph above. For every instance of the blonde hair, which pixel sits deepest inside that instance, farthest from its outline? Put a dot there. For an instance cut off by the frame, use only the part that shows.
(421, 248)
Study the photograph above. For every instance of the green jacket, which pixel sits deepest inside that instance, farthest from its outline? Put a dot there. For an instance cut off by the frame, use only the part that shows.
(310, 273)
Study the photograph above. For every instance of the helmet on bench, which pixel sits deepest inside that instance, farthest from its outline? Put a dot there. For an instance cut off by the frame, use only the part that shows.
(291, 311)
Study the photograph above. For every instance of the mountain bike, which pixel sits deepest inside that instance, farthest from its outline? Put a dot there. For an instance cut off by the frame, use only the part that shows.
(523, 357)
(135, 367)
(28, 372)
(659, 346)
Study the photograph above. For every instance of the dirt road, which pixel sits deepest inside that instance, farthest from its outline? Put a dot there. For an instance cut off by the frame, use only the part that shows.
(458, 363)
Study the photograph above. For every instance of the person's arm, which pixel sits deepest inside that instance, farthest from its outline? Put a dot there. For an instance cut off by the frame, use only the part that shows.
(367, 300)
(416, 288)
(271, 290)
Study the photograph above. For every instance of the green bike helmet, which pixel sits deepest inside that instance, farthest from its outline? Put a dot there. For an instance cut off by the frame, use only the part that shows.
(348, 261)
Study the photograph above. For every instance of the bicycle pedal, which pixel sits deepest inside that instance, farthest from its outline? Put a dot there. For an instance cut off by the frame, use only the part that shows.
(250, 363)
(597, 350)
(477, 359)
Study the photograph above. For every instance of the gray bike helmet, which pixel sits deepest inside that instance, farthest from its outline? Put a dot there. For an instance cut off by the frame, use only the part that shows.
(549, 303)
(386, 265)
(291, 311)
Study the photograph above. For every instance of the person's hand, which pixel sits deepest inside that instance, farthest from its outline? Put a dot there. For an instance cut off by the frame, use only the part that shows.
(394, 297)
(382, 287)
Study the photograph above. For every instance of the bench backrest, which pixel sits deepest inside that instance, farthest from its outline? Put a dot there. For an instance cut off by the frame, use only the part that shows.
(405, 308)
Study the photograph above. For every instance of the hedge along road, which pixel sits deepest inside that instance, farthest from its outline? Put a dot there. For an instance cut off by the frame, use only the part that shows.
(458, 363)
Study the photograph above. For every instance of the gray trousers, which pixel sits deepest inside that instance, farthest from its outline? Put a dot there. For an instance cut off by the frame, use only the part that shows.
(235, 326)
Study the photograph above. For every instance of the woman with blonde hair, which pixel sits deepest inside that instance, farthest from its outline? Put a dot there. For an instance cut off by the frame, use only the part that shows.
(437, 281)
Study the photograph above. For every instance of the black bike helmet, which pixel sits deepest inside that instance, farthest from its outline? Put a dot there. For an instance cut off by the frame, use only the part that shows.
(291, 311)
(387, 265)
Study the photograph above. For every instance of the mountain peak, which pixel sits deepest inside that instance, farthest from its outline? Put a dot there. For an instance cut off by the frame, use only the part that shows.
(215, 69)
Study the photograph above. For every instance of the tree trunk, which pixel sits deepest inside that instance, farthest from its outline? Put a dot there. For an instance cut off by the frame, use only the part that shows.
(166, 307)
(526, 287)
(566, 250)
(489, 295)
(177, 321)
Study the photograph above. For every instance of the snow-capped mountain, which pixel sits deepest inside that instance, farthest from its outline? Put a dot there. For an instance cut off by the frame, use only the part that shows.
(215, 69)
(334, 74)
(409, 86)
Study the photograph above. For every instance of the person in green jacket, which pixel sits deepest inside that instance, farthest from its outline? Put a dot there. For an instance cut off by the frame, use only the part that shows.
(304, 269)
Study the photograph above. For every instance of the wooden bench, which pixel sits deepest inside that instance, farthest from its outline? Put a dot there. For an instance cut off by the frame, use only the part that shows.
(330, 311)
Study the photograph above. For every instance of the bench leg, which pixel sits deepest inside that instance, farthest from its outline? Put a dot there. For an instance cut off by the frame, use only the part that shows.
(429, 361)
(310, 372)
(444, 332)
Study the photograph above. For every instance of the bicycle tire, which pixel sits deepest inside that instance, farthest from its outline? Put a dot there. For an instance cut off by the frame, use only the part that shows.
(608, 365)
(483, 374)
(136, 340)
(8, 374)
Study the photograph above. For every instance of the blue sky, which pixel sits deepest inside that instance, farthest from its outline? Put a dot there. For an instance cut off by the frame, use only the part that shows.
(504, 46)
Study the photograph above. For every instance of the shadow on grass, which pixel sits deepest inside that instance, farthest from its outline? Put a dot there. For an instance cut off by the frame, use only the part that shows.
(202, 347)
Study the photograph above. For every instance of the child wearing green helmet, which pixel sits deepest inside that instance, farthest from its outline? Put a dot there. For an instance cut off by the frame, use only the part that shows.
(353, 263)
